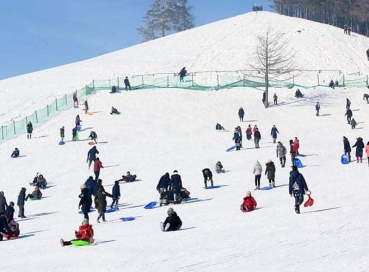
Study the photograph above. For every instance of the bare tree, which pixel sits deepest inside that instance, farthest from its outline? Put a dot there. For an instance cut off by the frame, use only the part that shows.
(273, 58)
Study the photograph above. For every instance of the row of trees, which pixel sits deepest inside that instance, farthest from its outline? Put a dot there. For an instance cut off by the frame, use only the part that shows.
(165, 17)
(354, 13)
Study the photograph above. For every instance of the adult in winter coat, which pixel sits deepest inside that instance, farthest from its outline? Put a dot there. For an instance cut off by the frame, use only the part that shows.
(93, 136)
(240, 133)
(348, 114)
(367, 151)
(366, 97)
(257, 137)
(4, 227)
(348, 103)
(78, 121)
(219, 167)
(367, 54)
(347, 147)
(176, 186)
(113, 89)
(241, 114)
(249, 132)
(164, 183)
(91, 155)
(359, 149)
(127, 84)
(296, 146)
(317, 108)
(74, 134)
(273, 133)
(90, 185)
(62, 133)
(97, 166)
(86, 106)
(9, 213)
(15, 153)
(36, 194)
(14, 227)
(208, 176)
(3, 203)
(270, 172)
(172, 222)
(275, 99)
(29, 130)
(257, 170)
(182, 74)
(85, 201)
(84, 233)
(97, 186)
(297, 187)
(281, 153)
(115, 195)
(21, 201)
(75, 99)
(292, 152)
(100, 203)
(249, 203)
(237, 139)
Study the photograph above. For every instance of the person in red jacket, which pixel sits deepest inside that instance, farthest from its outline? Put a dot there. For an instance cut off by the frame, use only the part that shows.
(249, 203)
(296, 146)
(85, 233)
(97, 166)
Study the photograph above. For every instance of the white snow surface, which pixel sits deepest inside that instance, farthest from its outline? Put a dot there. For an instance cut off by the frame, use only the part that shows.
(162, 130)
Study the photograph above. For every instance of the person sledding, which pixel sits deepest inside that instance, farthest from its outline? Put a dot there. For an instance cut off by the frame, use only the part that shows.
(172, 222)
(14, 227)
(249, 203)
(163, 188)
(15, 153)
(219, 127)
(128, 177)
(36, 194)
(39, 181)
(93, 136)
(208, 176)
(85, 233)
(219, 167)
(114, 111)
(298, 94)
(4, 227)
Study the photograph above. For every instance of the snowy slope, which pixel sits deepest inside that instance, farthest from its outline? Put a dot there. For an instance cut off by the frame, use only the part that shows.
(163, 130)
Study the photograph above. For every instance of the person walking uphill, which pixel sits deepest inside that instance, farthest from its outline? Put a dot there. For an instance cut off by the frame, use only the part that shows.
(317, 108)
(208, 176)
(359, 149)
(237, 139)
(127, 84)
(297, 187)
(241, 114)
(62, 133)
(85, 202)
(348, 114)
(97, 166)
(273, 133)
(91, 155)
(116, 195)
(270, 172)
(258, 169)
(281, 153)
(182, 74)
(347, 148)
(257, 137)
(100, 203)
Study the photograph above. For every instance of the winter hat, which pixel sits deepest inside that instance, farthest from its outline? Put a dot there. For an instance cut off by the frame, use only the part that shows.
(1, 193)
(99, 180)
(23, 189)
(11, 203)
(83, 186)
(85, 220)
(294, 167)
(170, 211)
(116, 182)
(175, 171)
(248, 193)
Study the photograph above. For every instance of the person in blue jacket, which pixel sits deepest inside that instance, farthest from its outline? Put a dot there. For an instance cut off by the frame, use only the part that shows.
(91, 155)
(90, 184)
(237, 139)
(15, 153)
(241, 114)
(297, 187)
(273, 133)
(116, 195)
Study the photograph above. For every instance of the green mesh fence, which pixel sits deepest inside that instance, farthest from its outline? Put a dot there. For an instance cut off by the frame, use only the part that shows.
(198, 81)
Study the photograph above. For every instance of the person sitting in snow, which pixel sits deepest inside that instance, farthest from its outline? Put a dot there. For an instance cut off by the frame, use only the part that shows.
(128, 177)
(114, 111)
(219, 167)
(15, 153)
(298, 94)
(85, 233)
(14, 227)
(366, 97)
(249, 203)
(219, 127)
(36, 194)
(172, 222)
(39, 181)
(4, 227)
(331, 84)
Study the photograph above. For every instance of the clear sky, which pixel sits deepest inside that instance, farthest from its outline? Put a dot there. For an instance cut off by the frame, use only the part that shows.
(40, 34)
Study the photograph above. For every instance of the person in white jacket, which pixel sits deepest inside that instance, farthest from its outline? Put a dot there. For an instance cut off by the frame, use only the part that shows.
(258, 169)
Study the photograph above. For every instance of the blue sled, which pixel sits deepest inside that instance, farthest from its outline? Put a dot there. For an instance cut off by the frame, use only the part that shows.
(212, 187)
(151, 205)
(265, 188)
(298, 163)
(79, 127)
(231, 148)
(127, 218)
(344, 159)
(111, 210)
(61, 143)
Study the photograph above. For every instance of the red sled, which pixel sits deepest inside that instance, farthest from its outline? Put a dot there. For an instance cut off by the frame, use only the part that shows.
(309, 202)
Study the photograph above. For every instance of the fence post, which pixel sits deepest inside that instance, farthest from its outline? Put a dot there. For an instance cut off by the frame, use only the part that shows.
(47, 109)
(143, 83)
(244, 80)
(367, 80)
(318, 79)
(118, 83)
(343, 80)
(293, 80)
(86, 90)
(15, 133)
(218, 80)
(2, 132)
(167, 81)
(93, 83)
(36, 117)
(66, 100)
(192, 79)
(56, 103)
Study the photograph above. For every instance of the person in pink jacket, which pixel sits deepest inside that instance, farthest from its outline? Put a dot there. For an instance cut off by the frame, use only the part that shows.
(97, 166)
(367, 151)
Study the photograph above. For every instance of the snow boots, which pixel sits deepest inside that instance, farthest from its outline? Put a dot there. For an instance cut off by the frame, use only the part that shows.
(297, 209)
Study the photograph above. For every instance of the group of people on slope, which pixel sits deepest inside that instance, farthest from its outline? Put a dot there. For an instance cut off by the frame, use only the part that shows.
(171, 189)
(359, 152)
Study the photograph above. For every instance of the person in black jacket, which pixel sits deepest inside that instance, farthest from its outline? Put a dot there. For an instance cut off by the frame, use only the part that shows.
(347, 147)
(317, 108)
(116, 195)
(257, 137)
(10, 211)
(93, 136)
(21, 201)
(85, 201)
(91, 155)
(4, 227)
(359, 149)
(29, 130)
(182, 74)
(78, 121)
(127, 84)
(62, 133)
(349, 115)
(176, 186)
(172, 222)
(90, 185)
(297, 187)
(113, 89)
(237, 139)
(241, 114)
(273, 133)
(366, 97)
(208, 176)
(15, 153)
(163, 188)
(3, 203)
